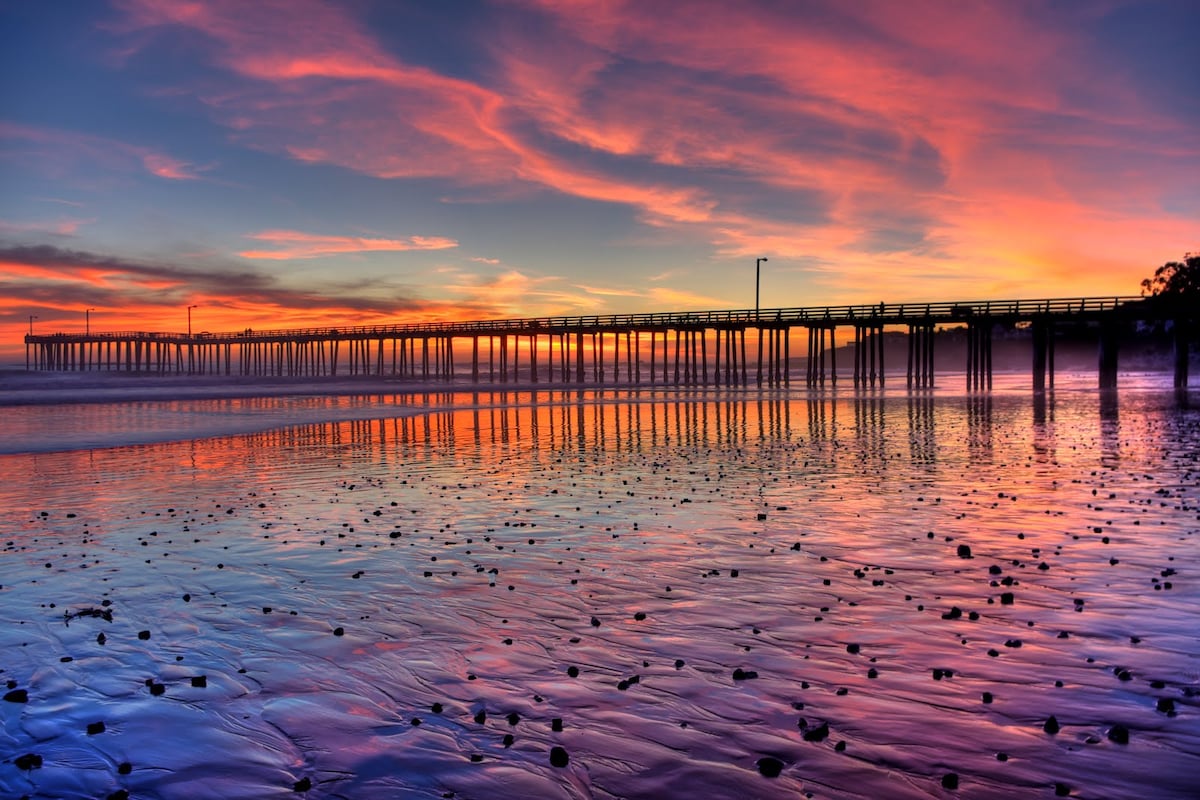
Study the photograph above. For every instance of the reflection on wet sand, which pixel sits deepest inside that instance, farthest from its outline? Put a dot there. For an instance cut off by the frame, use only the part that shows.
(615, 595)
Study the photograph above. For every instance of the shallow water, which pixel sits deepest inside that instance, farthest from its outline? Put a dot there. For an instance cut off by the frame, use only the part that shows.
(690, 584)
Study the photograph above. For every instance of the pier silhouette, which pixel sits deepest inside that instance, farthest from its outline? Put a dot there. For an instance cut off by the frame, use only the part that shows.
(690, 348)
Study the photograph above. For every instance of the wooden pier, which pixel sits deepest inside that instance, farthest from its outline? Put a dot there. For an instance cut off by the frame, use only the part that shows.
(677, 349)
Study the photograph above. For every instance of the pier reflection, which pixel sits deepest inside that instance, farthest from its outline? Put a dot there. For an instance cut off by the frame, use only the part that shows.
(1045, 446)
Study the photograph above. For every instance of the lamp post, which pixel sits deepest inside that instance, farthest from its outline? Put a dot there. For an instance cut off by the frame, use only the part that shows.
(87, 321)
(757, 271)
(32, 317)
(190, 319)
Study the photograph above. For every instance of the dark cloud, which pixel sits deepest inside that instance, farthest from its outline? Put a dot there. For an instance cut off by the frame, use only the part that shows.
(97, 279)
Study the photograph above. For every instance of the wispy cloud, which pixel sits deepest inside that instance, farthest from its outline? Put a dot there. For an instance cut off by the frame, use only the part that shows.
(59, 227)
(58, 151)
(297, 244)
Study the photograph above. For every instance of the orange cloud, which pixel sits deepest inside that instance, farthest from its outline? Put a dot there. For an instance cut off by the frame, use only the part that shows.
(296, 244)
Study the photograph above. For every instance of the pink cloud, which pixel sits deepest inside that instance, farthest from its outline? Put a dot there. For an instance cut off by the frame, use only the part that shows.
(60, 227)
(58, 150)
(296, 244)
(864, 134)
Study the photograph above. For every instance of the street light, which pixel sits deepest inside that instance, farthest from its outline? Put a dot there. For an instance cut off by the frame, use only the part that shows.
(32, 317)
(87, 321)
(757, 267)
(190, 319)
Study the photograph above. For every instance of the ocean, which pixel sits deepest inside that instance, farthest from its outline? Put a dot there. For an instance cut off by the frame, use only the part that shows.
(618, 593)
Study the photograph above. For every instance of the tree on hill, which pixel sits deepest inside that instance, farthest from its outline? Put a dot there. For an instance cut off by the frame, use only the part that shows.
(1176, 280)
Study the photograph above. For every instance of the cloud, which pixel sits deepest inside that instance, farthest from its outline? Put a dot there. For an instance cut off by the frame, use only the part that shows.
(58, 151)
(924, 136)
(58, 276)
(296, 244)
(60, 227)
(512, 293)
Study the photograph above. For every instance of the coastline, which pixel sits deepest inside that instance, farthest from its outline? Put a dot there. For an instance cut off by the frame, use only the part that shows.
(18, 387)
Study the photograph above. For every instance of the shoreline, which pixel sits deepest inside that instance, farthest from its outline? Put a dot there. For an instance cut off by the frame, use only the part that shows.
(20, 387)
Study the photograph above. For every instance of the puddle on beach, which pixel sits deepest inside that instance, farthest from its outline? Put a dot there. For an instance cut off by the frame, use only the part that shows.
(720, 596)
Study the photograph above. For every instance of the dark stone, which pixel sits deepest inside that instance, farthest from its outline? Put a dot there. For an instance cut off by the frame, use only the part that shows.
(639, 616)
(743, 675)
(949, 781)
(480, 716)
(573, 671)
(954, 613)
(17, 696)
(143, 635)
(119, 794)
(1061, 790)
(339, 631)
(513, 718)
(28, 761)
(1051, 727)
(770, 767)
(852, 649)
(818, 734)
(302, 785)
(1006, 599)
(964, 551)
(200, 681)
(157, 689)
(987, 697)
(94, 728)
(1165, 705)
(1118, 734)
(595, 622)
(556, 724)
(508, 740)
(559, 757)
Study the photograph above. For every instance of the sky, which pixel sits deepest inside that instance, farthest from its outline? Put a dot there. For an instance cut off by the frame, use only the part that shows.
(297, 163)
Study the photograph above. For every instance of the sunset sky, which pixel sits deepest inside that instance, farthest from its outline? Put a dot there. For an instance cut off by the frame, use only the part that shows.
(292, 163)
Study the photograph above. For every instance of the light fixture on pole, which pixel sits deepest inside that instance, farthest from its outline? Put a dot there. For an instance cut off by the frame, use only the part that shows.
(757, 269)
(190, 319)
(32, 317)
(87, 321)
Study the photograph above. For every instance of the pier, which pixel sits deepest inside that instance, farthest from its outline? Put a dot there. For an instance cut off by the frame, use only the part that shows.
(677, 348)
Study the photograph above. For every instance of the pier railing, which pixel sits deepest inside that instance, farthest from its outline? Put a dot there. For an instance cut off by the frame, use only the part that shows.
(887, 313)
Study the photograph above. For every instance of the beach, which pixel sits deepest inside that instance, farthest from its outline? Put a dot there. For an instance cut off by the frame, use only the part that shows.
(372, 591)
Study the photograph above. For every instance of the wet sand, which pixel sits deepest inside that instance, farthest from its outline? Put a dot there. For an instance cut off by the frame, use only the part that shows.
(837, 597)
